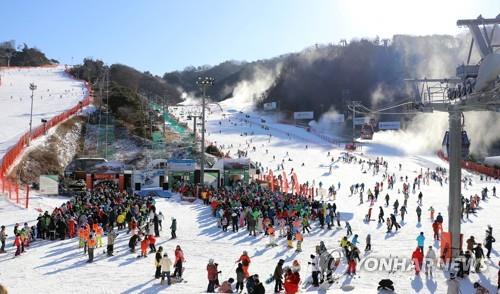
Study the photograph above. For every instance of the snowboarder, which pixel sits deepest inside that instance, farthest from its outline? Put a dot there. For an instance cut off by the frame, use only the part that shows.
(278, 274)
(488, 244)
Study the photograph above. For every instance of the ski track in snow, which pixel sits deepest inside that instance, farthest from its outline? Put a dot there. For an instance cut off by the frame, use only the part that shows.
(60, 267)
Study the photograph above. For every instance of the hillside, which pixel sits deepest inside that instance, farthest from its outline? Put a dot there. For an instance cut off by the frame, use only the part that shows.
(22, 55)
(325, 76)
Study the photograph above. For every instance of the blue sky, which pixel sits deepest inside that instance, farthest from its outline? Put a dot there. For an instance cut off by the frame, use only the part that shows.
(166, 35)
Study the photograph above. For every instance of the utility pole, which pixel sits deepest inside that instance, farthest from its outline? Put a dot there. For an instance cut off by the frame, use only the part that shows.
(204, 83)
(354, 103)
(455, 193)
(32, 88)
(194, 127)
(107, 114)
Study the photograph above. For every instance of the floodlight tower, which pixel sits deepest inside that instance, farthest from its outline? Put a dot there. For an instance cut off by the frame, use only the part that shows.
(204, 83)
(32, 88)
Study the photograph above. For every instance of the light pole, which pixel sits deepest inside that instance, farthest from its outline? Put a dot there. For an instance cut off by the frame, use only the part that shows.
(203, 83)
(32, 88)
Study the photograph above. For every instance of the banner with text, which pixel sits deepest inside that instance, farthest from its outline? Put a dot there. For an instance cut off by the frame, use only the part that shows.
(303, 115)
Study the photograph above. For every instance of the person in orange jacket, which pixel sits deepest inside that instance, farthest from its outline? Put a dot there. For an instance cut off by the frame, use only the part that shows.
(245, 261)
(71, 227)
(417, 257)
(17, 243)
(91, 243)
(144, 247)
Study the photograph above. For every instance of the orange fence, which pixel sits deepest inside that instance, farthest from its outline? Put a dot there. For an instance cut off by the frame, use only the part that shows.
(480, 168)
(14, 190)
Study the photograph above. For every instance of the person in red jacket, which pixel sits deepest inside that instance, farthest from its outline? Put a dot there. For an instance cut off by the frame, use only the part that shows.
(144, 247)
(179, 259)
(71, 227)
(292, 281)
(418, 259)
(17, 243)
(435, 229)
(152, 242)
(211, 275)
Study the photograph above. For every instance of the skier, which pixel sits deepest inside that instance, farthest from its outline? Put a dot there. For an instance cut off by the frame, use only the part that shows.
(417, 258)
(419, 213)
(173, 228)
(420, 241)
(396, 206)
(278, 274)
(386, 199)
(402, 210)
(158, 257)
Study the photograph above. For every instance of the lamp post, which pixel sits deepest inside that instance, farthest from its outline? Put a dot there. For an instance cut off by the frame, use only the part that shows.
(204, 83)
(32, 88)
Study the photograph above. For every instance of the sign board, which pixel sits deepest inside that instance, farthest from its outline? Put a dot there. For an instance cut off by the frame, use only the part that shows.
(270, 106)
(361, 120)
(49, 184)
(149, 178)
(389, 125)
(181, 165)
(303, 115)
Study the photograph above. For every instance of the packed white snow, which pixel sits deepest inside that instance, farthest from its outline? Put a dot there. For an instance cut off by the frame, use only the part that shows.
(56, 92)
(60, 267)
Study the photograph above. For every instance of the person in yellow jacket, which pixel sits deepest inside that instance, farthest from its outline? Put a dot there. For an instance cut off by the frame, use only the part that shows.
(99, 233)
(120, 220)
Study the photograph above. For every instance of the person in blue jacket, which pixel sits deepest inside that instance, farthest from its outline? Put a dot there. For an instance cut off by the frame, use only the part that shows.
(420, 241)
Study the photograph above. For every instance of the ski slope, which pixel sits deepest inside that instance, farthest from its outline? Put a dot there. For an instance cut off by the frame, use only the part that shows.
(60, 267)
(56, 91)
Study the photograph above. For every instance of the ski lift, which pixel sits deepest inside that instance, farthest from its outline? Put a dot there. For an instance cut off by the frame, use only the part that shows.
(464, 139)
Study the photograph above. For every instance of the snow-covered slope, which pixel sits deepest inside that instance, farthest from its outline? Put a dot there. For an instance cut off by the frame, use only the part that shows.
(59, 267)
(56, 91)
